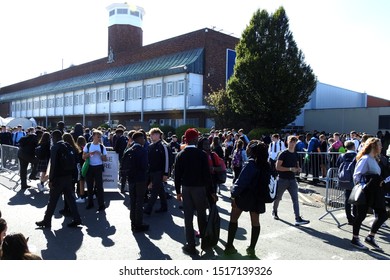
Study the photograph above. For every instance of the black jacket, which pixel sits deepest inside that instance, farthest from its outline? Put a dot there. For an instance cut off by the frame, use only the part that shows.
(27, 145)
(192, 169)
(158, 157)
(56, 169)
(135, 162)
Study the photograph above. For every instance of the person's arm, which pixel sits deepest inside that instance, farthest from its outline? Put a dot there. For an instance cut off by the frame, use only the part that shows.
(104, 155)
(361, 168)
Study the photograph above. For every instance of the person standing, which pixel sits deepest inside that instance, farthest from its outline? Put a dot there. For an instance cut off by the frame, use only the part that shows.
(17, 135)
(158, 171)
(60, 182)
(26, 155)
(346, 164)
(253, 180)
(274, 149)
(135, 163)
(5, 136)
(192, 177)
(368, 170)
(97, 153)
(287, 165)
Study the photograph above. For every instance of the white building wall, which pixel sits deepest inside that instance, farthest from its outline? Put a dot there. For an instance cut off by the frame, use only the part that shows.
(326, 96)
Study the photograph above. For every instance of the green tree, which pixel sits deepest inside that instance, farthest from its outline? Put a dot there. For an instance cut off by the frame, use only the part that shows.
(271, 81)
(223, 110)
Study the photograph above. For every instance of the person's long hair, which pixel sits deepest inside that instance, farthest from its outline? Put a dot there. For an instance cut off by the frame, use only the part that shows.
(258, 150)
(81, 142)
(67, 137)
(14, 247)
(45, 139)
(369, 145)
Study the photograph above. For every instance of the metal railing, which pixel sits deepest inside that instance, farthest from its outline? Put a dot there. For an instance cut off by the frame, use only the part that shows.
(9, 161)
(334, 195)
(316, 165)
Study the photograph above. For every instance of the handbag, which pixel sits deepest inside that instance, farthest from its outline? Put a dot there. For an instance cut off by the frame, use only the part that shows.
(84, 168)
(358, 196)
(211, 234)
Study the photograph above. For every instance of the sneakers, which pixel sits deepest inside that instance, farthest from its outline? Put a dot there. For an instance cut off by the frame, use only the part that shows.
(370, 240)
(356, 243)
(80, 200)
(299, 221)
(275, 215)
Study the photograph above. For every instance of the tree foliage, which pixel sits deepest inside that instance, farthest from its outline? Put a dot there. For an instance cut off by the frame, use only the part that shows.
(271, 81)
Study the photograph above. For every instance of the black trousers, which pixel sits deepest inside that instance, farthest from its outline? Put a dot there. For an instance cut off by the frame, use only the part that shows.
(137, 193)
(61, 185)
(94, 179)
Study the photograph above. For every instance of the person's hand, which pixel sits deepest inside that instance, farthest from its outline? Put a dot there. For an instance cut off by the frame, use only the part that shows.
(179, 197)
(234, 205)
(215, 197)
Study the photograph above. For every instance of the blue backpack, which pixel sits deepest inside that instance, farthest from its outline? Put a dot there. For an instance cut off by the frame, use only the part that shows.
(346, 169)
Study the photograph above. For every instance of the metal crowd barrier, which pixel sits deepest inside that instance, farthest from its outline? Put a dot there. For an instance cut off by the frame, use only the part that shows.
(334, 195)
(9, 161)
(316, 164)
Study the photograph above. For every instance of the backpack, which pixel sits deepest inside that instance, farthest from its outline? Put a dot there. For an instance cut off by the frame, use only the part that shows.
(220, 176)
(237, 158)
(346, 169)
(67, 157)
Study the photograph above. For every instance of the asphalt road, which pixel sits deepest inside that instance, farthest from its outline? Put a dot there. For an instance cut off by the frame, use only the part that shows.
(107, 235)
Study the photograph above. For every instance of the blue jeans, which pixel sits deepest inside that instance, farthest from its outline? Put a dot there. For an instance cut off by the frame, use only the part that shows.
(291, 186)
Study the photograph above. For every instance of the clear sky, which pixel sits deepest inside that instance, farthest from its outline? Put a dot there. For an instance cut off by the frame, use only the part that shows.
(346, 42)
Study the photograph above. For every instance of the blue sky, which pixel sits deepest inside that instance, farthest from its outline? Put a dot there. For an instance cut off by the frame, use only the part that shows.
(346, 42)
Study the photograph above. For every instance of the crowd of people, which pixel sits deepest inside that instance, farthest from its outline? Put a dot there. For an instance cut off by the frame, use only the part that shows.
(148, 159)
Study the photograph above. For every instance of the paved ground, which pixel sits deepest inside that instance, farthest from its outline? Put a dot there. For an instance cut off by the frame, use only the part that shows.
(107, 235)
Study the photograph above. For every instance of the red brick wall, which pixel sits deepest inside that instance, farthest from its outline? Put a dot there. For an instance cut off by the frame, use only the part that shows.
(373, 101)
(215, 44)
(124, 38)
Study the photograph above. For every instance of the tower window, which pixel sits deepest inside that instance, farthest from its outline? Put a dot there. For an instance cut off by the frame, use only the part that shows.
(112, 12)
(122, 11)
(134, 13)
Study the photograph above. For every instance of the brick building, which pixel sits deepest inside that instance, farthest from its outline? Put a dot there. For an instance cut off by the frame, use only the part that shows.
(163, 83)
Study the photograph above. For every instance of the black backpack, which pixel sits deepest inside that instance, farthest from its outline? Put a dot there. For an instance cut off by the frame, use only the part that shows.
(67, 158)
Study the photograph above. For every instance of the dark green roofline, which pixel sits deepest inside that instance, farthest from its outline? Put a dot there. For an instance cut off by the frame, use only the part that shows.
(191, 61)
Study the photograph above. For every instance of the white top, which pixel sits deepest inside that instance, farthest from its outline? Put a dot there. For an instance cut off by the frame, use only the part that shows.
(275, 148)
(366, 165)
(95, 158)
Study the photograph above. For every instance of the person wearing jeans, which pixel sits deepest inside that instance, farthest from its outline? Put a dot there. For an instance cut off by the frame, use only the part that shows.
(287, 165)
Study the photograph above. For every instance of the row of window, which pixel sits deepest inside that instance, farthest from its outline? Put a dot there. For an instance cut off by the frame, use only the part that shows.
(122, 11)
(130, 93)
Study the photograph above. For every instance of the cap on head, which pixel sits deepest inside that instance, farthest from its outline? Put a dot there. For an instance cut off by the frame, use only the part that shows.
(191, 134)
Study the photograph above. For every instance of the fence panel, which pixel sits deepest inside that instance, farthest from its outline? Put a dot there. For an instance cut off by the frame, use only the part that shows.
(334, 195)
(316, 165)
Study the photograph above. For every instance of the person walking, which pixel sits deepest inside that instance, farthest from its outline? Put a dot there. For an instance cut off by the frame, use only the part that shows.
(60, 182)
(26, 156)
(248, 195)
(192, 178)
(368, 171)
(158, 171)
(287, 165)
